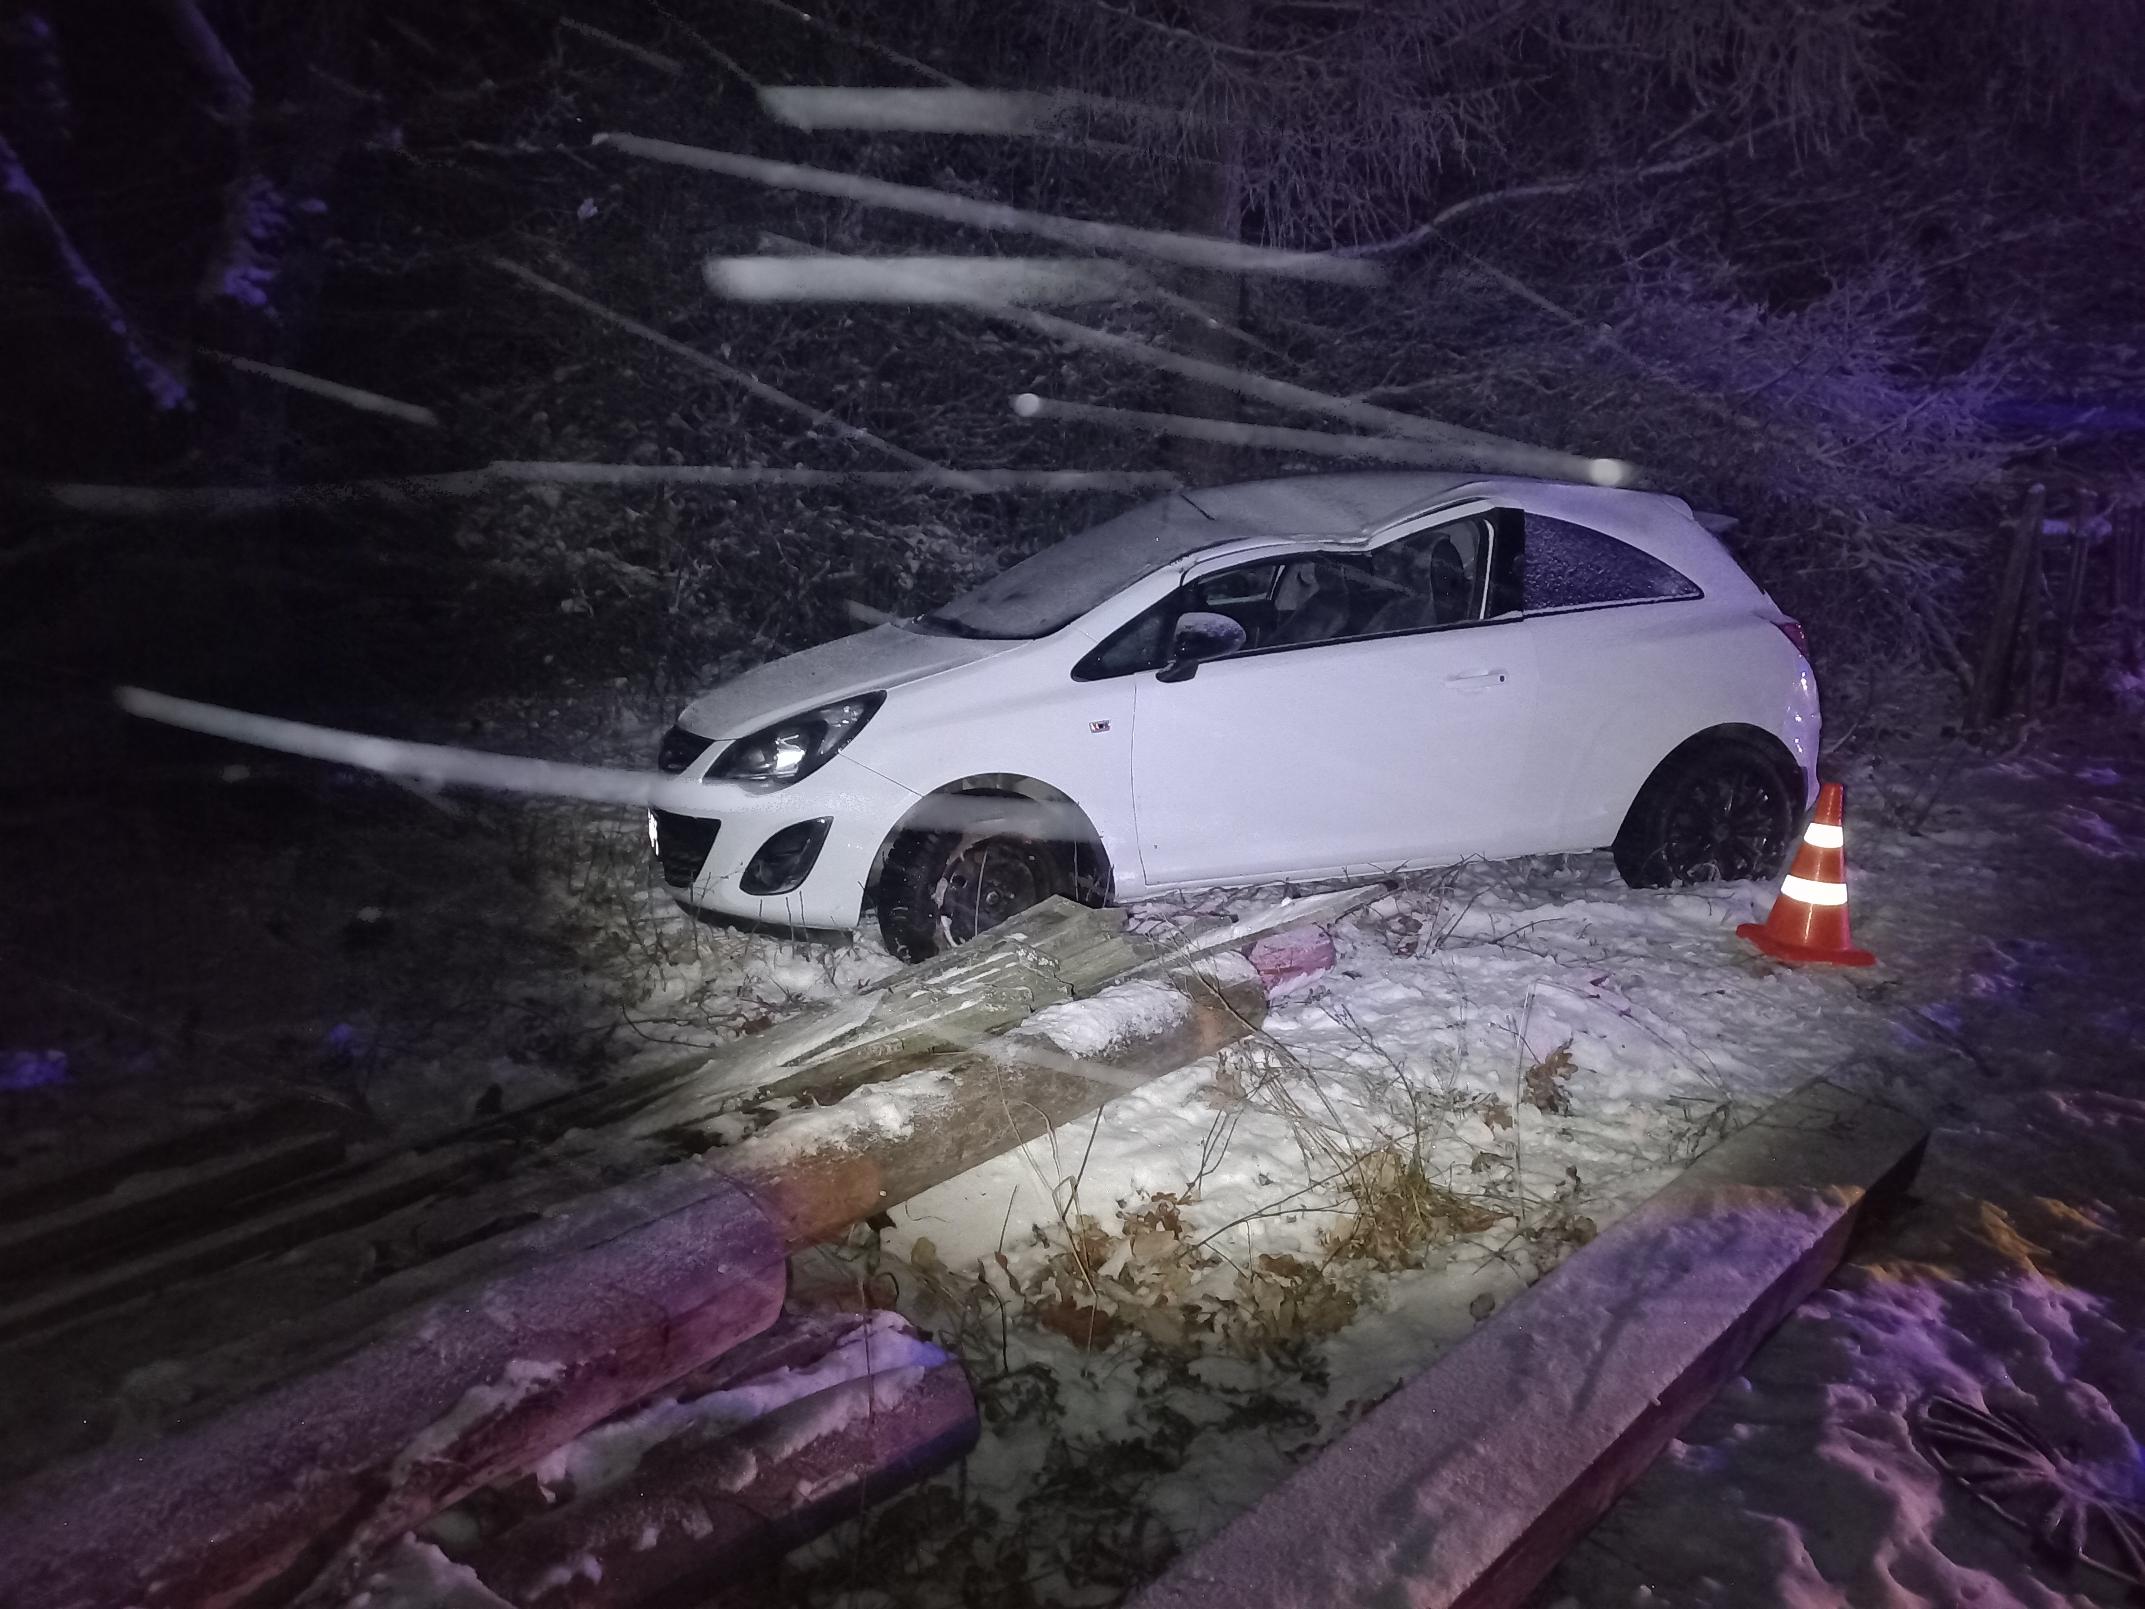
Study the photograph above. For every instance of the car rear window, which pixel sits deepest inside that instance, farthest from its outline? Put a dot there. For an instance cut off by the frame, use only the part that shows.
(1570, 566)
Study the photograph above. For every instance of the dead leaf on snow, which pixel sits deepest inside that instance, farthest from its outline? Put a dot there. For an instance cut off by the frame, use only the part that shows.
(1088, 1328)
(1543, 1085)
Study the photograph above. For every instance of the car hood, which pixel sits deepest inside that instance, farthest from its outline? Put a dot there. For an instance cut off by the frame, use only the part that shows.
(869, 662)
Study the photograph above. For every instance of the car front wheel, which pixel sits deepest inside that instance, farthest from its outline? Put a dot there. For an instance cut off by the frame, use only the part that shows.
(939, 889)
(1722, 814)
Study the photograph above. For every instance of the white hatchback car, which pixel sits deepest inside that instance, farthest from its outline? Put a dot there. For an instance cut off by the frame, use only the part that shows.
(1326, 677)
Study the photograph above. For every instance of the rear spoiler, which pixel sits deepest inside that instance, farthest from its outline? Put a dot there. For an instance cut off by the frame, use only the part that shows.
(1717, 524)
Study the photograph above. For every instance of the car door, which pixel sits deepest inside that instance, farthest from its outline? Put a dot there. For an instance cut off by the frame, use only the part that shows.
(1375, 715)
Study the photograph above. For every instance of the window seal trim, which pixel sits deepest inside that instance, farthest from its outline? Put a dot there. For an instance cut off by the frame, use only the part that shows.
(1562, 609)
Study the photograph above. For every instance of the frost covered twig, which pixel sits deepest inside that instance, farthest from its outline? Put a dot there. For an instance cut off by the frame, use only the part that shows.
(662, 64)
(334, 391)
(863, 41)
(1570, 184)
(1191, 251)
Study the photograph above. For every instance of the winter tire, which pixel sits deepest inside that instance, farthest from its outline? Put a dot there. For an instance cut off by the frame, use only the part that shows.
(940, 889)
(1723, 813)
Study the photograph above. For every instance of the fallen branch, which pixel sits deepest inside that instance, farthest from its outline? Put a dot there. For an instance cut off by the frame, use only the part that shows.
(333, 390)
(715, 366)
(1231, 433)
(1193, 251)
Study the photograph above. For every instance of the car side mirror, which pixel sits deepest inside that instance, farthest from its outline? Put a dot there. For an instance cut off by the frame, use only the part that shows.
(1200, 635)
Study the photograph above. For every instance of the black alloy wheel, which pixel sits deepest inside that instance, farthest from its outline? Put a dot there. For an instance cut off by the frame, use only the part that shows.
(940, 889)
(1723, 815)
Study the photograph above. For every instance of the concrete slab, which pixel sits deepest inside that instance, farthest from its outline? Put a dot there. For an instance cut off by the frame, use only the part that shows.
(1463, 1488)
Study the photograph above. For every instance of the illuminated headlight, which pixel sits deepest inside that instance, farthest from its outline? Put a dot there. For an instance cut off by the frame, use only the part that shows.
(782, 753)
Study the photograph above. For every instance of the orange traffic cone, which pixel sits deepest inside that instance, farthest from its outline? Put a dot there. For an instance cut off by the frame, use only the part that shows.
(1809, 919)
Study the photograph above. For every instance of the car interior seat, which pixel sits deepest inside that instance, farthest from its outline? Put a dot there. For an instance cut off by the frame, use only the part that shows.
(1449, 586)
(1313, 604)
(1437, 593)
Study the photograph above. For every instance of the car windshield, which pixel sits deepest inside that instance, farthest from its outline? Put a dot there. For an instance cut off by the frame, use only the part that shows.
(1053, 588)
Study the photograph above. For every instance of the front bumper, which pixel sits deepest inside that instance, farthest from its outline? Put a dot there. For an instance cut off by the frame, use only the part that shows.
(706, 834)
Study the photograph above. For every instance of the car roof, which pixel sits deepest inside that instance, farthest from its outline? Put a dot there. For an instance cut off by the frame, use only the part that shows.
(1066, 579)
(1309, 505)
(1364, 504)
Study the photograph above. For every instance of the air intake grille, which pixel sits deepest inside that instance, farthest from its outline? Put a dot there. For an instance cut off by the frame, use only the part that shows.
(682, 844)
(680, 749)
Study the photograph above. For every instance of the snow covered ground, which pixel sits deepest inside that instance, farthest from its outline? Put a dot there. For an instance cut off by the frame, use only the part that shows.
(2016, 1283)
(1169, 1305)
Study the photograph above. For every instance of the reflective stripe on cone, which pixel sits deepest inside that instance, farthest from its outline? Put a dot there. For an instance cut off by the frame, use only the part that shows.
(1809, 920)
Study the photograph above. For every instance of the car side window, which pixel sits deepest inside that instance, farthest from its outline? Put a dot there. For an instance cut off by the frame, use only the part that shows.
(1569, 566)
(1420, 582)
(1141, 643)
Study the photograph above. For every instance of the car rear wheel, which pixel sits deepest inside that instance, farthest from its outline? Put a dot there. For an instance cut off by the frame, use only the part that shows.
(939, 889)
(1721, 814)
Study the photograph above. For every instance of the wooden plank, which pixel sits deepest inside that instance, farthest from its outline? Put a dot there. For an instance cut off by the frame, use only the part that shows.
(1053, 953)
(823, 1169)
(1462, 1489)
(239, 1346)
(163, 1203)
(305, 1482)
(370, 1194)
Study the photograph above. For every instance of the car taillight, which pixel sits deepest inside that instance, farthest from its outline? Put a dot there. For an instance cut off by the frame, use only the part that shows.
(1792, 631)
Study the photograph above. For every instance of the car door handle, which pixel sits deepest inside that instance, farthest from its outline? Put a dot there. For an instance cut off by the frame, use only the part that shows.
(1475, 678)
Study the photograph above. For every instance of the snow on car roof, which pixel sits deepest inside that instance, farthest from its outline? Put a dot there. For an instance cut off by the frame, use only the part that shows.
(1064, 581)
(1321, 505)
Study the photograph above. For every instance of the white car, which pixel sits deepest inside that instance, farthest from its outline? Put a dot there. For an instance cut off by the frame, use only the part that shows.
(1333, 676)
